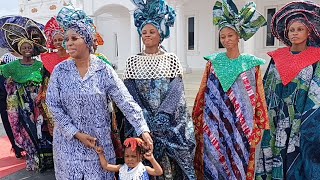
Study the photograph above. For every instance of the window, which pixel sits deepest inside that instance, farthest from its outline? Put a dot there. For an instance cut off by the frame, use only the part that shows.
(191, 33)
(270, 40)
(116, 49)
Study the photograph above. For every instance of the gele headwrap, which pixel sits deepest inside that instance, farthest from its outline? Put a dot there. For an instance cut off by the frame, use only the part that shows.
(26, 28)
(78, 21)
(155, 12)
(51, 29)
(246, 22)
(133, 143)
(306, 12)
(26, 32)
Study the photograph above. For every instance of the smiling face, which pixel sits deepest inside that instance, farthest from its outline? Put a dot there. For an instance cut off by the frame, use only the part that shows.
(26, 49)
(131, 158)
(150, 36)
(57, 41)
(298, 33)
(76, 45)
(229, 38)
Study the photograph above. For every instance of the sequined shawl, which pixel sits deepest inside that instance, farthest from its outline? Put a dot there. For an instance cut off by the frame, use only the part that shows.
(23, 74)
(228, 70)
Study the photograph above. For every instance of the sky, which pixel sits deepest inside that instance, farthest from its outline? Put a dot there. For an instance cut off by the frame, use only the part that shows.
(9, 7)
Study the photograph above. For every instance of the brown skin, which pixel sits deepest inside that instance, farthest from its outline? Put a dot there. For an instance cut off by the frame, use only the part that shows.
(95, 43)
(230, 40)
(16, 54)
(26, 51)
(57, 43)
(131, 159)
(151, 39)
(80, 52)
(298, 35)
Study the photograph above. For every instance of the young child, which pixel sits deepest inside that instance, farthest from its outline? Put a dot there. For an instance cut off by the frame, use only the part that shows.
(133, 169)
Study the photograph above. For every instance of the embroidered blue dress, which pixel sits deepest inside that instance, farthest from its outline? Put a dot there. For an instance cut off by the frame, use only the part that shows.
(155, 83)
(81, 105)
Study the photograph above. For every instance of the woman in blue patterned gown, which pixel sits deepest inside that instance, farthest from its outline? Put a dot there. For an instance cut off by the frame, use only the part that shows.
(154, 79)
(78, 97)
(290, 149)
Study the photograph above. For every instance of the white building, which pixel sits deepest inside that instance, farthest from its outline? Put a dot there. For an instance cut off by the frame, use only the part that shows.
(192, 37)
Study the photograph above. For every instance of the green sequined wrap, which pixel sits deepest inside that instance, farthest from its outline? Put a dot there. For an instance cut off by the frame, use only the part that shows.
(103, 58)
(23, 74)
(228, 70)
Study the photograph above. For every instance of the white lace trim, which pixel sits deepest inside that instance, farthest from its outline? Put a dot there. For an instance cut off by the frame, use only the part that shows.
(134, 174)
(153, 67)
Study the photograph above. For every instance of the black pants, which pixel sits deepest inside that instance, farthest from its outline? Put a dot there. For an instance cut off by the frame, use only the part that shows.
(4, 117)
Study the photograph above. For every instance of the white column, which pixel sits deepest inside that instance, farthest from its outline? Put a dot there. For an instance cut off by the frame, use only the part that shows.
(173, 40)
(134, 36)
(181, 39)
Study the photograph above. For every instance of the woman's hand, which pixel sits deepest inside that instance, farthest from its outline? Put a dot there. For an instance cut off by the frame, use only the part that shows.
(86, 139)
(148, 140)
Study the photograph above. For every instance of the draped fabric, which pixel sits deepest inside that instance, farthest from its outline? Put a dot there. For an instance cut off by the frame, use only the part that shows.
(49, 60)
(290, 149)
(165, 111)
(29, 129)
(82, 105)
(228, 125)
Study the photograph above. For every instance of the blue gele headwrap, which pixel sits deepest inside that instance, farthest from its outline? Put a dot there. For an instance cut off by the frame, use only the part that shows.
(155, 12)
(78, 21)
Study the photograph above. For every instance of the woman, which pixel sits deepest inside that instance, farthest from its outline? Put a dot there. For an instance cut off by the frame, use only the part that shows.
(290, 149)
(55, 38)
(24, 77)
(230, 110)
(77, 96)
(5, 59)
(154, 79)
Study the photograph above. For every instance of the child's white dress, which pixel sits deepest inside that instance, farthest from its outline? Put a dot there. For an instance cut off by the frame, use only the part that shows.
(137, 173)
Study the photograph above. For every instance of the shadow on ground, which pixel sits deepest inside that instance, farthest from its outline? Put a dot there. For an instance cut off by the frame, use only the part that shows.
(28, 175)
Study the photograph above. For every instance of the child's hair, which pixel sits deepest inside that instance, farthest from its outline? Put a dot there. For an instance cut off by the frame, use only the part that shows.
(135, 144)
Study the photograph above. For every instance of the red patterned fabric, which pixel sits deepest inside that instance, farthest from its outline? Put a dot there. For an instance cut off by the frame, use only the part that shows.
(50, 30)
(261, 122)
(197, 116)
(289, 65)
(50, 60)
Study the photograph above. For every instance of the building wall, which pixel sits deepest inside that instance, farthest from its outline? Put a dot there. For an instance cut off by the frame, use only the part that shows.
(115, 17)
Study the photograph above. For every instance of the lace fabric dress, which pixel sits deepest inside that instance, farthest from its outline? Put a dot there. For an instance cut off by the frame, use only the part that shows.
(156, 84)
(137, 173)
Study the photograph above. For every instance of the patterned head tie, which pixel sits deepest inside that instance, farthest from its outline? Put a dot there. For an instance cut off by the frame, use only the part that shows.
(100, 40)
(245, 22)
(78, 21)
(22, 41)
(155, 12)
(133, 143)
(306, 12)
(51, 29)
(16, 34)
